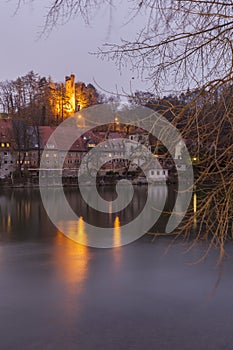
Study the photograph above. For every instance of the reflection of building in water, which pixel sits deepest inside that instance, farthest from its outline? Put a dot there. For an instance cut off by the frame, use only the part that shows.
(71, 265)
(5, 214)
(117, 233)
(180, 207)
(81, 233)
(195, 209)
(117, 251)
(75, 230)
(20, 211)
(158, 193)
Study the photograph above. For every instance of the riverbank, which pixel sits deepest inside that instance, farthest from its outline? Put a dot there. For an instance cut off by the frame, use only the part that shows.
(71, 182)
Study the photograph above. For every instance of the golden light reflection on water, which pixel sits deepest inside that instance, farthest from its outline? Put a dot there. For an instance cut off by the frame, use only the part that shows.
(195, 209)
(195, 203)
(27, 209)
(117, 250)
(81, 232)
(73, 258)
(8, 222)
(71, 262)
(76, 230)
(117, 232)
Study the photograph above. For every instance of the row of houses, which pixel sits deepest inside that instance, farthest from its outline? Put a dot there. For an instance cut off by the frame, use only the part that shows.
(121, 152)
(22, 147)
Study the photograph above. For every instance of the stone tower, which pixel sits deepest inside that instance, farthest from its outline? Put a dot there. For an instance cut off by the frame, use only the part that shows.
(70, 94)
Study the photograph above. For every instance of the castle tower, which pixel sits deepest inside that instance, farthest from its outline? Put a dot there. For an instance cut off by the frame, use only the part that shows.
(70, 94)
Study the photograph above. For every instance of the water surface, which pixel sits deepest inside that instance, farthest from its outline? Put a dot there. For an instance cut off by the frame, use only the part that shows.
(56, 294)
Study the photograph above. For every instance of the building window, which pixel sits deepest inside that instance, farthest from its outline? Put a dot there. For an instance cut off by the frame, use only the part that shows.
(152, 172)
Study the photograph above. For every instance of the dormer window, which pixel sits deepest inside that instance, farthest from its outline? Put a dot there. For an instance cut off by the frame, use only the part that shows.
(50, 145)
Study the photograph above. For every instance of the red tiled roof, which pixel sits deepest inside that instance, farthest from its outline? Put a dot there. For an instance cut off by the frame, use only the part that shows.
(63, 135)
(61, 139)
(45, 133)
(6, 131)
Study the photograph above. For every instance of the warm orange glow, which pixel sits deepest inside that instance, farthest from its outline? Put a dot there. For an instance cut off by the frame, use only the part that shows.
(58, 107)
(81, 121)
(117, 222)
(117, 233)
(195, 203)
(82, 235)
(72, 263)
(63, 100)
(195, 209)
(70, 95)
(117, 251)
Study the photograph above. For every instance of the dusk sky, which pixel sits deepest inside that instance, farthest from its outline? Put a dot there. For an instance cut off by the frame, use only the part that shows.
(66, 49)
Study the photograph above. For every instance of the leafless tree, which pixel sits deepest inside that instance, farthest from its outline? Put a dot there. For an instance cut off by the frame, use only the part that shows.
(189, 42)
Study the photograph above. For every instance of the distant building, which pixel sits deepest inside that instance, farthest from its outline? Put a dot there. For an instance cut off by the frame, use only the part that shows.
(70, 105)
(68, 98)
(21, 149)
(155, 173)
(58, 154)
(7, 157)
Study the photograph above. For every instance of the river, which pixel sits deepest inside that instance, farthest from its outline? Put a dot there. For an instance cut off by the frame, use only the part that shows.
(57, 294)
